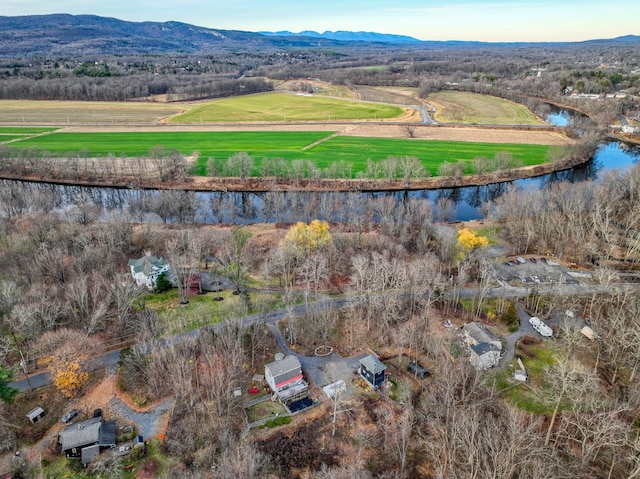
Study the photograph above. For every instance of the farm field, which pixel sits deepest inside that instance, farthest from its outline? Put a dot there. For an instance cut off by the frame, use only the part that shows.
(321, 147)
(276, 106)
(465, 107)
(320, 88)
(61, 113)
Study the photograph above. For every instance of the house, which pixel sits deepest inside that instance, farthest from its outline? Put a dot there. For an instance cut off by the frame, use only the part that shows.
(484, 356)
(284, 377)
(477, 333)
(86, 439)
(145, 270)
(35, 414)
(484, 346)
(373, 371)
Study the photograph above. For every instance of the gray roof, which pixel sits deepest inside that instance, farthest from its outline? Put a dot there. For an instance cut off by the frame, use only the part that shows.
(88, 453)
(373, 364)
(480, 333)
(482, 348)
(147, 264)
(288, 364)
(35, 412)
(80, 434)
(107, 435)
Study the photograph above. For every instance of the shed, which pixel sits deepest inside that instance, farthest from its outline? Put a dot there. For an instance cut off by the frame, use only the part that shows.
(418, 370)
(373, 371)
(35, 414)
(520, 375)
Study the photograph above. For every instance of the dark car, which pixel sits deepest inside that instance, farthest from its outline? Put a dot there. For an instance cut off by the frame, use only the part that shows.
(70, 415)
(97, 413)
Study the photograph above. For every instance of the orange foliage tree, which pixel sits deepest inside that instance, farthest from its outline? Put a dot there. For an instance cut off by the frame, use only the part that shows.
(66, 351)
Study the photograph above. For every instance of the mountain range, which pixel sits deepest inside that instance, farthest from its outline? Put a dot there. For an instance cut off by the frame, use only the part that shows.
(60, 35)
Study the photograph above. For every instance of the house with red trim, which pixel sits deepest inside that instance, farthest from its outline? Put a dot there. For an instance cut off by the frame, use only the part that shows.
(284, 377)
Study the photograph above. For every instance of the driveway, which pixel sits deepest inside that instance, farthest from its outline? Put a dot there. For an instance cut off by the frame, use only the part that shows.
(511, 340)
(322, 370)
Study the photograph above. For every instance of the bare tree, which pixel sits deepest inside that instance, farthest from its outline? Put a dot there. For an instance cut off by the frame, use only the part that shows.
(184, 253)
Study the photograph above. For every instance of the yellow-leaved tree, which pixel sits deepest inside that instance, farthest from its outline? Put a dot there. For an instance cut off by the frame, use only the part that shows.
(468, 240)
(67, 351)
(308, 239)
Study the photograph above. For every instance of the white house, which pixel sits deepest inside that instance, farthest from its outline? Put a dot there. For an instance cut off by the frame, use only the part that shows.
(484, 346)
(145, 270)
(284, 377)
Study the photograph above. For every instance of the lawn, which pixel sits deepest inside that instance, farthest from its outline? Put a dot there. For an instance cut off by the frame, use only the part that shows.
(466, 107)
(290, 145)
(263, 410)
(535, 357)
(203, 310)
(276, 106)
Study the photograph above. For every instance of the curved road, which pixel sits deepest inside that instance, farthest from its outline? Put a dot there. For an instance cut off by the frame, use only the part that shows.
(313, 364)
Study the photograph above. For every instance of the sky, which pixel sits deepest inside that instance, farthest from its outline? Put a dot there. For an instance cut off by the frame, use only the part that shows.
(481, 20)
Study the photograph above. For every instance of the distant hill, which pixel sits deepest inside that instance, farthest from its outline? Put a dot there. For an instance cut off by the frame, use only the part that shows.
(72, 35)
(61, 35)
(349, 36)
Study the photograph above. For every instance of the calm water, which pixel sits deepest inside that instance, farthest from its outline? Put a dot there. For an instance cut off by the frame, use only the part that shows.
(241, 208)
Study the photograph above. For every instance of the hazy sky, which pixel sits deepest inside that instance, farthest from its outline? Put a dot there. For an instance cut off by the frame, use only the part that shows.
(497, 20)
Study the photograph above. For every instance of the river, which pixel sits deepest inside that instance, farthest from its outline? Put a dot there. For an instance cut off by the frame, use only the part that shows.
(462, 204)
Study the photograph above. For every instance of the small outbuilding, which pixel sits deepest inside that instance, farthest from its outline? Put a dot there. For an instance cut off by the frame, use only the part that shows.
(373, 371)
(35, 414)
(418, 370)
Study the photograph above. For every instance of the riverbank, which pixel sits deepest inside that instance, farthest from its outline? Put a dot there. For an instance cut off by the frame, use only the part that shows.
(259, 185)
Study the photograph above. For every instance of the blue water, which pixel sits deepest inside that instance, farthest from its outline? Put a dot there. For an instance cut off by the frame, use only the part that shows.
(450, 203)
(559, 118)
(610, 156)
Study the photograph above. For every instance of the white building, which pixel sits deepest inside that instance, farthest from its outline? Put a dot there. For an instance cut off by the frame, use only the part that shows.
(145, 271)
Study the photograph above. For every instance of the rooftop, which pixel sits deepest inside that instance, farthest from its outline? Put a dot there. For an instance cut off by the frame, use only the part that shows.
(289, 363)
(373, 364)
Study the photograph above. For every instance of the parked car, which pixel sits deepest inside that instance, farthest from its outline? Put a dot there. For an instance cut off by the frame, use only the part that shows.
(544, 260)
(521, 260)
(97, 413)
(70, 415)
(533, 260)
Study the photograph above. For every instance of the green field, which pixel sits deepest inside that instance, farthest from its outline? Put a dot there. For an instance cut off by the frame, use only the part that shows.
(287, 145)
(465, 107)
(23, 130)
(284, 107)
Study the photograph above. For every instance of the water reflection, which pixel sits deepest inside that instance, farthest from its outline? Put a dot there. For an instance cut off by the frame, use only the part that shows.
(276, 206)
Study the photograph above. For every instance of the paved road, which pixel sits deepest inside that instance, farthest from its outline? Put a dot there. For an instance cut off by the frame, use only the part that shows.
(313, 364)
(112, 358)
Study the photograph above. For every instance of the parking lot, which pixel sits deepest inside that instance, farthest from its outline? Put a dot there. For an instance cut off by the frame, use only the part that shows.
(534, 270)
